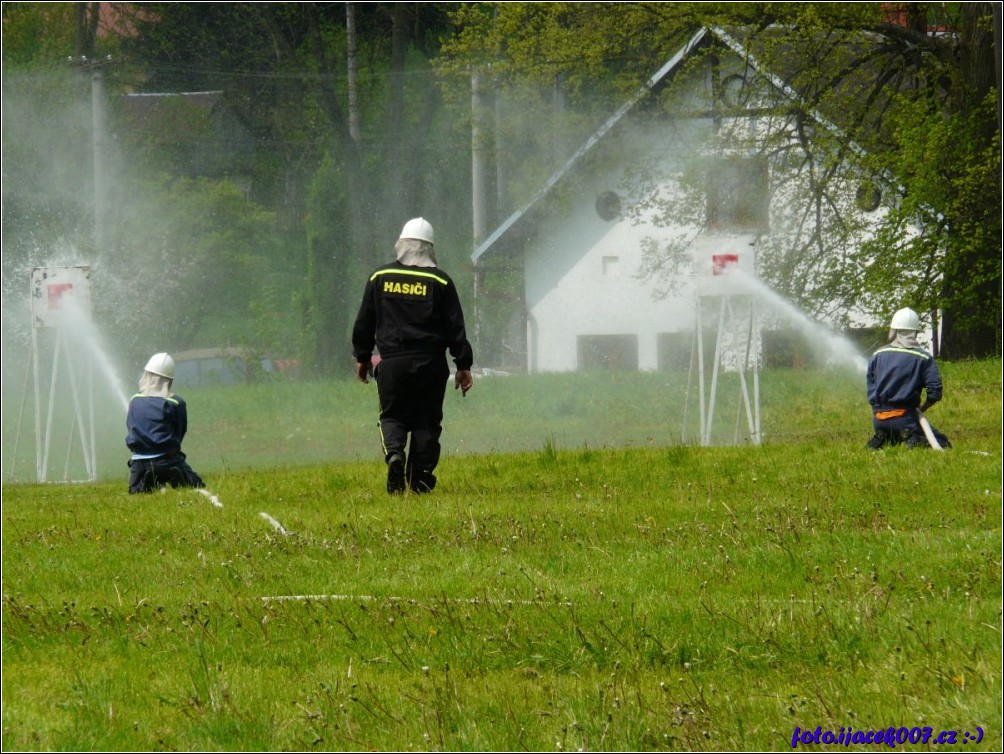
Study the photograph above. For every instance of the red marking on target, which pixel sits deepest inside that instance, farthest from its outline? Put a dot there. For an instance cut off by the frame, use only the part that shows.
(55, 293)
(720, 263)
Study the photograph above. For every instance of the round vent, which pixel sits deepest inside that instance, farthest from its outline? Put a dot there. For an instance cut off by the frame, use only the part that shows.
(868, 197)
(608, 205)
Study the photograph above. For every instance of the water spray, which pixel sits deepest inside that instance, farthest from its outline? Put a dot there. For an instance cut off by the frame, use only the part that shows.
(839, 348)
(60, 299)
(741, 299)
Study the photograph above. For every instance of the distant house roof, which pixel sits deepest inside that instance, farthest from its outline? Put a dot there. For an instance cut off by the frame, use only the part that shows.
(144, 105)
(198, 124)
(733, 42)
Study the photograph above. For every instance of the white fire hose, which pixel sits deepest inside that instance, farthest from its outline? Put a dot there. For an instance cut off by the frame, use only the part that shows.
(928, 432)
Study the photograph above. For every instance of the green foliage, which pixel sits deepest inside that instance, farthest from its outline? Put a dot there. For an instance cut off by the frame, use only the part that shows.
(277, 74)
(282, 70)
(640, 599)
(192, 248)
(921, 106)
(37, 34)
(334, 272)
(961, 244)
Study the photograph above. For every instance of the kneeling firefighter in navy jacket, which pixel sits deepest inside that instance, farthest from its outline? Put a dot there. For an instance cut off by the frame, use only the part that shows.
(157, 421)
(411, 313)
(897, 375)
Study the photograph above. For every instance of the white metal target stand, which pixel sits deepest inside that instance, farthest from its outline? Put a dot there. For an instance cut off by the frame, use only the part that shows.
(58, 294)
(737, 339)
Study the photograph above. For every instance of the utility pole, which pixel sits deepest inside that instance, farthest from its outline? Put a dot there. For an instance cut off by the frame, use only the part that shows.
(87, 17)
(352, 65)
(479, 171)
(99, 143)
(501, 178)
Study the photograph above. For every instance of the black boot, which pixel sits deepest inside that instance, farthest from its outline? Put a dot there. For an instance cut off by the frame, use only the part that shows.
(395, 474)
(878, 441)
(422, 481)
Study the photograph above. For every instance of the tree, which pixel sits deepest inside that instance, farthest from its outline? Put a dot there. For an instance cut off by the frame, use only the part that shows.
(38, 34)
(185, 252)
(189, 259)
(896, 93)
(924, 109)
(284, 67)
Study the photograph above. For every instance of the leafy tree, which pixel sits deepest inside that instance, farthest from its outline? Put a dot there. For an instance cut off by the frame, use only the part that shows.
(283, 69)
(187, 263)
(915, 108)
(185, 253)
(332, 268)
(38, 34)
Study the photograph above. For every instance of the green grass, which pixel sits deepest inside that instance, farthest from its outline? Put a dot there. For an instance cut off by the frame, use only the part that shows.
(232, 429)
(562, 593)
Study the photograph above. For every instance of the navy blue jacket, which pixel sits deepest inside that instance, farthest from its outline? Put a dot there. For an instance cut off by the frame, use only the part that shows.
(410, 311)
(156, 425)
(896, 377)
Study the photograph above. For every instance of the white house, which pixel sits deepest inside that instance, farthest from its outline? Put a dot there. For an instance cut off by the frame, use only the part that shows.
(619, 253)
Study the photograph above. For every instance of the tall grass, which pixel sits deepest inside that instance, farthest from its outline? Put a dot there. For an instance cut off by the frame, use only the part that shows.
(574, 593)
(269, 425)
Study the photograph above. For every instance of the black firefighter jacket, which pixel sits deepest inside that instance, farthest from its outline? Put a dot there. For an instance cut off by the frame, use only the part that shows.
(409, 311)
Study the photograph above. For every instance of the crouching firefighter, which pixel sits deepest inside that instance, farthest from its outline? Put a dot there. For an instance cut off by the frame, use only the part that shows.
(157, 421)
(897, 375)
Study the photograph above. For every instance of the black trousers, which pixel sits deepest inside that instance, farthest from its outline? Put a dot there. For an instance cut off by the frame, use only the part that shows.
(903, 429)
(412, 390)
(149, 474)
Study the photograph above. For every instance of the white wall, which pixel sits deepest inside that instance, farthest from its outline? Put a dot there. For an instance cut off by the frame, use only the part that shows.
(571, 292)
(574, 288)
(583, 281)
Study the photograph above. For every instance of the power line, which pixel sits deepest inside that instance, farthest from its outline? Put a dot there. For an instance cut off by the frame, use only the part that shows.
(303, 75)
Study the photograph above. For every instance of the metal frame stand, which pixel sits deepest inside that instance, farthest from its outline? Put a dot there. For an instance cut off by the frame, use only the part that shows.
(737, 318)
(83, 424)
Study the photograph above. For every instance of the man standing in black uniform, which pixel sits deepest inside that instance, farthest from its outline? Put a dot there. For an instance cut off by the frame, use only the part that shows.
(411, 313)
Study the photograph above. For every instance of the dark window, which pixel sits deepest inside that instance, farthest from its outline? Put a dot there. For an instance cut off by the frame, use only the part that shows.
(738, 195)
(674, 351)
(785, 348)
(615, 352)
(608, 205)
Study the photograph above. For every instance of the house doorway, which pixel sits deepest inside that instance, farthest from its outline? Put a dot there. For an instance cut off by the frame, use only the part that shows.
(610, 352)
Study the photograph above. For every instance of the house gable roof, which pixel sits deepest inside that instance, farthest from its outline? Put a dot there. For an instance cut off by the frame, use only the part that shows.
(701, 38)
(653, 83)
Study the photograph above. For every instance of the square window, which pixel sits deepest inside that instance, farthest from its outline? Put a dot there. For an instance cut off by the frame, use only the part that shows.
(608, 352)
(737, 194)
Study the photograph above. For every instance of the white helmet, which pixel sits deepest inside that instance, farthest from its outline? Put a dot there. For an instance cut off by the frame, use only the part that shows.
(905, 319)
(419, 229)
(162, 364)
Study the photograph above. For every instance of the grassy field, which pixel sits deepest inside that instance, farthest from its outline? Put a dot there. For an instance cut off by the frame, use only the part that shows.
(278, 425)
(579, 580)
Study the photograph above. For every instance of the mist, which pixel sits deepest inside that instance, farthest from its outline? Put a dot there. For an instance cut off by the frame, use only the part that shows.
(192, 262)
